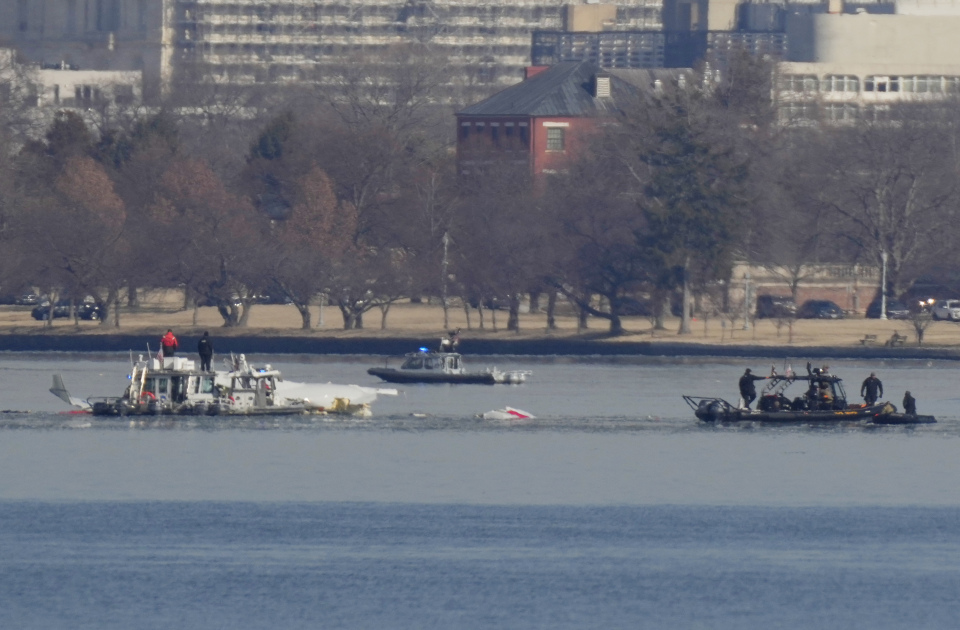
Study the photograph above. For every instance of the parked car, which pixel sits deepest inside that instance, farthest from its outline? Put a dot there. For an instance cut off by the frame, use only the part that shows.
(895, 310)
(28, 299)
(947, 309)
(820, 309)
(775, 306)
(85, 310)
(271, 298)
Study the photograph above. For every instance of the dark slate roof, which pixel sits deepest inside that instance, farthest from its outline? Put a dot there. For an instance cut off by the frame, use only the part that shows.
(565, 89)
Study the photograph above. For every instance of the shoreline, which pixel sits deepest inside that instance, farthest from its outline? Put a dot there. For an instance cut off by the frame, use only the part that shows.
(398, 345)
(275, 329)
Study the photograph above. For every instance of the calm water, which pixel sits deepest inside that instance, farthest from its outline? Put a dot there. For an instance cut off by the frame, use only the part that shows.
(614, 508)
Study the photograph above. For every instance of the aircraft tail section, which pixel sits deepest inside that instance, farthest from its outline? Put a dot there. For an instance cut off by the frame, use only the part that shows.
(60, 391)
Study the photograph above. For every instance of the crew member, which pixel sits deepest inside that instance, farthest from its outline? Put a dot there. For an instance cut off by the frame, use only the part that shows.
(872, 389)
(909, 404)
(205, 350)
(168, 344)
(826, 395)
(748, 391)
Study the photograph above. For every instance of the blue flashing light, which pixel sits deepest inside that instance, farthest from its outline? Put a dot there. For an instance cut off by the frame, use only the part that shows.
(129, 377)
(423, 350)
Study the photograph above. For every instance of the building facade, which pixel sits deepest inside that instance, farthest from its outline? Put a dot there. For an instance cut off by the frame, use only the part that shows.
(841, 66)
(542, 122)
(485, 44)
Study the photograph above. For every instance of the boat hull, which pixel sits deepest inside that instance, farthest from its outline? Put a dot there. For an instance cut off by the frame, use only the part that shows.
(392, 375)
(717, 410)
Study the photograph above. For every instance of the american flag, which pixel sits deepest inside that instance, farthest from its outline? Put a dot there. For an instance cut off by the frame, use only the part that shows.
(160, 355)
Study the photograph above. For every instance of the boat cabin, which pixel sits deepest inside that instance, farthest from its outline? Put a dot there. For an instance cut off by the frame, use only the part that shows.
(446, 362)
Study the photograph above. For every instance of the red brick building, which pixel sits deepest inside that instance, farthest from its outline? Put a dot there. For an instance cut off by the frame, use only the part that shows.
(543, 121)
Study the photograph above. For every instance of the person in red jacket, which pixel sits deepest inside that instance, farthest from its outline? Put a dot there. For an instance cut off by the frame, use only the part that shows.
(168, 344)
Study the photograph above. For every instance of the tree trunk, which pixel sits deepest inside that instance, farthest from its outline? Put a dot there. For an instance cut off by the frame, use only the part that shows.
(534, 301)
(552, 311)
(384, 310)
(616, 325)
(513, 318)
(245, 307)
(305, 316)
(685, 314)
(133, 299)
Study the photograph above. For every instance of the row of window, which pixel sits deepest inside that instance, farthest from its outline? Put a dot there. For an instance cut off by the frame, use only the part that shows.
(832, 112)
(808, 83)
(512, 136)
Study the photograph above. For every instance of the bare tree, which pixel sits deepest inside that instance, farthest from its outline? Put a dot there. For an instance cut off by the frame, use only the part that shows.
(892, 188)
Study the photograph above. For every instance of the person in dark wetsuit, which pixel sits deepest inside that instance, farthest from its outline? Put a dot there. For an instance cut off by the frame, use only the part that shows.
(909, 404)
(205, 350)
(748, 391)
(872, 389)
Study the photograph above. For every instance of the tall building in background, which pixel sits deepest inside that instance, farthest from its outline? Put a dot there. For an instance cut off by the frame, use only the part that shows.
(484, 44)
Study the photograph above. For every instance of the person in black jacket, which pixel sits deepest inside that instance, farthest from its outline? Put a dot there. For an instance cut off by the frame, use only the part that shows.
(748, 391)
(872, 389)
(909, 404)
(205, 349)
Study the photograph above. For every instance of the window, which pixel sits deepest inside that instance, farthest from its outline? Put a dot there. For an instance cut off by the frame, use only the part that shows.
(495, 134)
(555, 138)
(840, 83)
(881, 84)
(922, 85)
(840, 112)
(802, 83)
(524, 136)
(798, 112)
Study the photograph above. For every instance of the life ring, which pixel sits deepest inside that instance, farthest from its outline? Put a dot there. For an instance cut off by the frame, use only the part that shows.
(147, 396)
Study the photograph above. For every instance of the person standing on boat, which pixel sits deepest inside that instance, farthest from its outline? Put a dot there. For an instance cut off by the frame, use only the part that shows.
(205, 350)
(909, 404)
(872, 389)
(168, 344)
(748, 391)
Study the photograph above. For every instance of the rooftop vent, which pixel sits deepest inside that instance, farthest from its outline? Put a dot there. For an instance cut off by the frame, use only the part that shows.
(602, 86)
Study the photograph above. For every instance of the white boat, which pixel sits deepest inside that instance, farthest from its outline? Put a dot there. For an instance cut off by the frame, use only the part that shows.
(174, 385)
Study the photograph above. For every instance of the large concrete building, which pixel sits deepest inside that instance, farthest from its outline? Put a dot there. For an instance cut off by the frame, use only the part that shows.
(484, 43)
(841, 66)
(93, 35)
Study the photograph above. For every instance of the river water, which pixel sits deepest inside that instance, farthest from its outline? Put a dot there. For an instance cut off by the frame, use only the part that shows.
(613, 508)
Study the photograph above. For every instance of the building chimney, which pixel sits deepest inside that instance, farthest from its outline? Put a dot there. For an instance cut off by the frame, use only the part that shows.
(601, 86)
(532, 71)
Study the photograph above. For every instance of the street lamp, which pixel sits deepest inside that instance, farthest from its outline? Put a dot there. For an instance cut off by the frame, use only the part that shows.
(883, 285)
(443, 280)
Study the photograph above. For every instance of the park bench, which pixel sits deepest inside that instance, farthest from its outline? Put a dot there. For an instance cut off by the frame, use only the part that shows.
(896, 339)
(868, 340)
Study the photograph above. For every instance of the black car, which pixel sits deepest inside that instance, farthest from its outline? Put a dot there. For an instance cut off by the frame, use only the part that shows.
(895, 310)
(775, 306)
(61, 310)
(820, 309)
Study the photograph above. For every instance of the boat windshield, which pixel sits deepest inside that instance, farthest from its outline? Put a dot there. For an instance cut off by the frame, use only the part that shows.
(412, 363)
